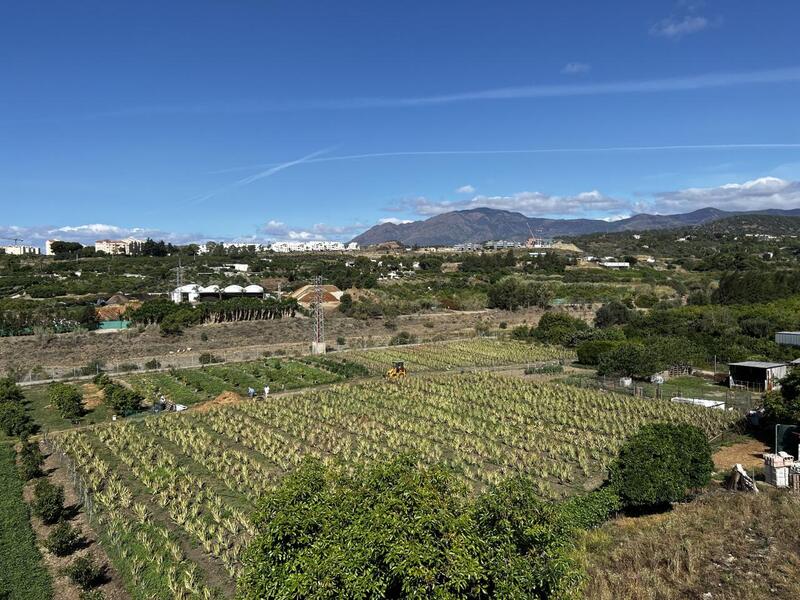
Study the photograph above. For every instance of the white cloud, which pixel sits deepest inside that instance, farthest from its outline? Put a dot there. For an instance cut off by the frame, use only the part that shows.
(89, 233)
(757, 194)
(528, 203)
(278, 231)
(466, 189)
(573, 68)
(394, 220)
(677, 27)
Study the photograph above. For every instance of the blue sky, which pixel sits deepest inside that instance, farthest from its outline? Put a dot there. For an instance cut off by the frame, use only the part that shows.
(300, 119)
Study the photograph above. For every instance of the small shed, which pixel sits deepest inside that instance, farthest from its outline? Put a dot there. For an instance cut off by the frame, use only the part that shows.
(757, 375)
(788, 338)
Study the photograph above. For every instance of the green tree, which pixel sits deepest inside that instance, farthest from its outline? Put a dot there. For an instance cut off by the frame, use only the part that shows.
(628, 359)
(661, 464)
(10, 391)
(64, 539)
(397, 530)
(67, 399)
(31, 460)
(558, 328)
(783, 406)
(48, 501)
(85, 572)
(612, 313)
(13, 420)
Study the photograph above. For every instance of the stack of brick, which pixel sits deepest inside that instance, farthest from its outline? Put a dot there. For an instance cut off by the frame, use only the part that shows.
(776, 469)
(794, 478)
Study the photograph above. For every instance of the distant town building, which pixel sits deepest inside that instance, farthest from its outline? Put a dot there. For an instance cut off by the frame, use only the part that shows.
(48, 247)
(126, 246)
(500, 245)
(21, 250)
(313, 246)
(616, 264)
(468, 247)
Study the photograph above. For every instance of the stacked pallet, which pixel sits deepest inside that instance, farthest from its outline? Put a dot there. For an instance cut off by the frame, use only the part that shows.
(776, 469)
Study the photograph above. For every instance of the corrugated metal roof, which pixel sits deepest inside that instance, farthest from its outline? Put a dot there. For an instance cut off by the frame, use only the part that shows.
(757, 364)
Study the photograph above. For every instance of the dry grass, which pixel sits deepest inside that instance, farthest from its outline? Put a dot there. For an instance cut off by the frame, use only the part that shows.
(729, 545)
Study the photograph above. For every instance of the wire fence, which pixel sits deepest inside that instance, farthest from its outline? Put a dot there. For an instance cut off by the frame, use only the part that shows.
(741, 400)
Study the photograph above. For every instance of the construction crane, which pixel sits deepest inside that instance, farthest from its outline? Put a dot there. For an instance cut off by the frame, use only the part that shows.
(15, 240)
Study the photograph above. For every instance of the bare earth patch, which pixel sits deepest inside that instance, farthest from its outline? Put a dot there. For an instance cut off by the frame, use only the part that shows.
(221, 400)
(92, 396)
(748, 454)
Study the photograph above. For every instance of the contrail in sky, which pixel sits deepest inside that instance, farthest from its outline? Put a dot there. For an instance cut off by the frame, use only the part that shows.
(533, 91)
(276, 168)
(314, 157)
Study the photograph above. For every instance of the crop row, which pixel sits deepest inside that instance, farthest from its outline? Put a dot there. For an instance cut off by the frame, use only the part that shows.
(480, 352)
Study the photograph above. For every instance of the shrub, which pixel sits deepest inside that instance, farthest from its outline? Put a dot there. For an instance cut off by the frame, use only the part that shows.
(101, 380)
(207, 358)
(9, 390)
(63, 540)
(589, 353)
(402, 338)
(396, 530)
(85, 572)
(121, 399)
(67, 399)
(48, 501)
(521, 333)
(152, 364)
(628, 359)
(341, 341)
(660, 464)
(30, 461)
(503, 325)
(613, 313)
(204, 337)
(13, 420)
(558, 328)
(592, 509)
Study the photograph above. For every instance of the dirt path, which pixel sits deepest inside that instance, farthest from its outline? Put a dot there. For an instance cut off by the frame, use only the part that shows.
(63, 588)
(748, 454)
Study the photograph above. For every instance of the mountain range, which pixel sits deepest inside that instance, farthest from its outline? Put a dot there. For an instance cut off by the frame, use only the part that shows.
(484, 224)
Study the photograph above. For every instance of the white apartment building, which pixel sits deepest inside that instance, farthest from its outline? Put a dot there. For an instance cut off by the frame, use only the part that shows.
(21, 250)
(126, 246)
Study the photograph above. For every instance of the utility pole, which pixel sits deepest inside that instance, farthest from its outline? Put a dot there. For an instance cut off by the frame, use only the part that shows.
(318, 343)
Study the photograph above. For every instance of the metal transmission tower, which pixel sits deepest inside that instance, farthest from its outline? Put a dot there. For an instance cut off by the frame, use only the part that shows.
(318, 343)
(179, 274)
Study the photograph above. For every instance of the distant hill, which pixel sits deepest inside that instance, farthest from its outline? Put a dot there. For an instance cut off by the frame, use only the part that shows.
(484, 224)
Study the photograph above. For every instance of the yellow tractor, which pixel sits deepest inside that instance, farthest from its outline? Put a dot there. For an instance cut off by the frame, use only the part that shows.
(397, 371)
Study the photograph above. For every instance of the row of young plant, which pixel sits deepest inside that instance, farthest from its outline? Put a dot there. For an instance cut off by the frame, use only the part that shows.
(480, 352)
(148, 556)
(188, 386)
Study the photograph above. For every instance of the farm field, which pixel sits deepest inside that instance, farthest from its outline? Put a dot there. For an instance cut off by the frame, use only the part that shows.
(480, 352)
(181, 486)
(22, 574)
(189, 386)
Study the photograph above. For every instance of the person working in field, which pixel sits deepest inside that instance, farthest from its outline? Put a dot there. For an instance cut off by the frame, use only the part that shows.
(266, 391)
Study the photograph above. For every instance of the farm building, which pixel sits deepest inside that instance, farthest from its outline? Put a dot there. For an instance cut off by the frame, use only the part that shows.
(191, 292)
(307, 295)
(788, 338)
(752, 374)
